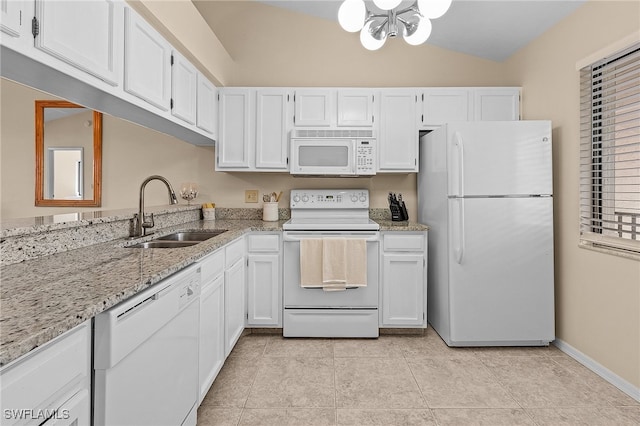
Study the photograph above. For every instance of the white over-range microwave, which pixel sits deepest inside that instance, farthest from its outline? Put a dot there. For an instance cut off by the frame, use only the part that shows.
(333, 152)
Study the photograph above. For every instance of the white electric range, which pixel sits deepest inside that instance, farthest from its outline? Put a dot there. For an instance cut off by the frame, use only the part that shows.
(313, 312)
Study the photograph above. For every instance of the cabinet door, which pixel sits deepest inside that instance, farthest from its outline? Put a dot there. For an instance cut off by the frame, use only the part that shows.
(313, 107)
(398, 139)
(234, 304)
(497, 104)
(272, 127)
(440, 106)
(232, 150)
(10, 17)
(74, 412)
(147, 62)
(81, 33)
(211, 332)
(183, 88)
(207, 105)
(56, 375)
(402, 289)
(355, 108)
(263, 290)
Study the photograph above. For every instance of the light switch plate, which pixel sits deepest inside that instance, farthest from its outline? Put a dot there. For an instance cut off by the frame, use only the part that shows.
(251, 196)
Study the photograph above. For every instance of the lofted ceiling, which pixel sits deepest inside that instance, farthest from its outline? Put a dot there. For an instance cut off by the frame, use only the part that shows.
(490, 29)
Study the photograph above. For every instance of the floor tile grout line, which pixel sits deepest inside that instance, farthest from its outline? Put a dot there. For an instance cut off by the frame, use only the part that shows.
(499, 382)
(424, 398)
(260, 365)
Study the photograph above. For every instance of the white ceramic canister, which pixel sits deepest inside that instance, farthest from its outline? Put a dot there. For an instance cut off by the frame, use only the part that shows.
(270, 211)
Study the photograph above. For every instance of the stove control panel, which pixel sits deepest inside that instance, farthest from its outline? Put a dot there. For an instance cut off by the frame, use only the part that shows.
(329, 199)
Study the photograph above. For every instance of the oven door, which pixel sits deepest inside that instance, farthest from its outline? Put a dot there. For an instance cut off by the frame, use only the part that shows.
(323, 157)
(299, 297)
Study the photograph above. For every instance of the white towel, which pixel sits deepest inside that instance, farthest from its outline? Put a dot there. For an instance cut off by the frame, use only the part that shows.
(333, 264)
(356, 260)
(344, 263)
(311, 262)
(334, 267)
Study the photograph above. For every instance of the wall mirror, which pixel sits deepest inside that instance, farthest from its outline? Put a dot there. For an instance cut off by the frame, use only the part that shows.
(68, 155)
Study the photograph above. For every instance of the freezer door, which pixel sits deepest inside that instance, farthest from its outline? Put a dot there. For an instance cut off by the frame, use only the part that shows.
(501, 271)
(499, 158)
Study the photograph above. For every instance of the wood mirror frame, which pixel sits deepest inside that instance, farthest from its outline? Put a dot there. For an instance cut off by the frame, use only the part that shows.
(40, 160)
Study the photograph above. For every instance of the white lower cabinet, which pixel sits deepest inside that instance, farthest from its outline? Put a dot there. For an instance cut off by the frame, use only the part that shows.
(404, 280)
(234, 293)
(264, 280)
(51, 384)
(211, 353)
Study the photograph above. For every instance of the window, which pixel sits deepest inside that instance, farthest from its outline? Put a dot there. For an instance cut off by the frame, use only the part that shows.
(610, 152)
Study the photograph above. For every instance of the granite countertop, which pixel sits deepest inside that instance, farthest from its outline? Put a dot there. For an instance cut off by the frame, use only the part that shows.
(44, 297)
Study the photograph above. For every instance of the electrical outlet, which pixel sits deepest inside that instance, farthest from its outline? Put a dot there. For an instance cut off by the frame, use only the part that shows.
(251, 196)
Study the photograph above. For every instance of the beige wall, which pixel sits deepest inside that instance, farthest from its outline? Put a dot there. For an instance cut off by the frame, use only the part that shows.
(597, 294)
(130, 153)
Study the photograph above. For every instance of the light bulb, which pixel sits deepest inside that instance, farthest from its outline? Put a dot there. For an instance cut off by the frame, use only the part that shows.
(367, 39)
(387, 4)
(351, 15)
(421, 33)
(433, 9)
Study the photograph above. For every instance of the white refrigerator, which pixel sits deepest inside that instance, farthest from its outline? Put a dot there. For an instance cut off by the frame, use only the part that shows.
(485, 189)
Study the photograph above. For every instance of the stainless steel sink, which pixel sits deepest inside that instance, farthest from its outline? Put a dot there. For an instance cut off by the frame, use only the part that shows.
(164, 244)
(179, 239)
(191, 235)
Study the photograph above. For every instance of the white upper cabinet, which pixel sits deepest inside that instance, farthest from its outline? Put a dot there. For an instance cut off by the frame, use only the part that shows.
(10, 18)
(355, 107)
(147, 62)
(80, 33)
(272, 127)
(235, 124)
(398, 138)
(183, 88)
(445, 105)
(313, 107)
(496, 104)
(207, 109)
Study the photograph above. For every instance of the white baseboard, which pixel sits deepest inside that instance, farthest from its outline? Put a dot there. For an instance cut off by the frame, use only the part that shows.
(600, 370)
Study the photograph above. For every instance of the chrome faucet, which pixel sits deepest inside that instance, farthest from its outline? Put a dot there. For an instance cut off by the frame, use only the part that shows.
(142, 224)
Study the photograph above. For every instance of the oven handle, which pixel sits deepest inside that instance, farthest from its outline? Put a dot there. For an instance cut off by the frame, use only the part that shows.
(320, 288)
(298, 236)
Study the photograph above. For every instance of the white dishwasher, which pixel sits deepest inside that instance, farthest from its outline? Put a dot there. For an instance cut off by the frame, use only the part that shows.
(146, 356)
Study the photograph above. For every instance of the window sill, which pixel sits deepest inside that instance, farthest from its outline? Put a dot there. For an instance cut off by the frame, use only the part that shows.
(609, 250)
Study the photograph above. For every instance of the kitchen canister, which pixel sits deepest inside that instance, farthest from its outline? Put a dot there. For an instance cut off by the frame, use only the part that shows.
(270, 211)
(209, 211)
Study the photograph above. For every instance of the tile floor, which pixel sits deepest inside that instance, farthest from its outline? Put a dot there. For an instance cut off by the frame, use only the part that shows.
(406, 380)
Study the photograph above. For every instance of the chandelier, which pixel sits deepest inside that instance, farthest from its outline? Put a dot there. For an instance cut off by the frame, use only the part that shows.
(413, 22)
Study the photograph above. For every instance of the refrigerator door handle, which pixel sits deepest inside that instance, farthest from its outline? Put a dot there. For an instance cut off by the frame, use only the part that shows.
(458, 143)
(458, 250)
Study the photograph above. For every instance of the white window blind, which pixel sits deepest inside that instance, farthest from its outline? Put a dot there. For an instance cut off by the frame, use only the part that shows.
(610, 152)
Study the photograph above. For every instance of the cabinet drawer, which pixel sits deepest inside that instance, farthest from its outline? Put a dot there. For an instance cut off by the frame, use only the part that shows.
(403, 242)
(212, 266)
(233, 252)
(264, 243)
(50, 375)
